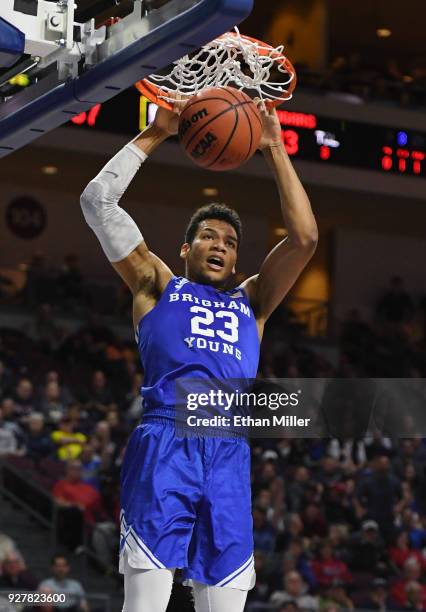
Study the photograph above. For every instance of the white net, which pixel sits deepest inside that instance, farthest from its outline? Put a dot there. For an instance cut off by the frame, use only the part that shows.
(232, 59)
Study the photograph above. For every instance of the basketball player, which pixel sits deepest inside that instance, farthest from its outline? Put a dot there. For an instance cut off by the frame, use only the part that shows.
(186, 501)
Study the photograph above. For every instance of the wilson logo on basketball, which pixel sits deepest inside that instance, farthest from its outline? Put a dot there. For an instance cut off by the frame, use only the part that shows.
(203, 145)
(220, 128)
(187, 123)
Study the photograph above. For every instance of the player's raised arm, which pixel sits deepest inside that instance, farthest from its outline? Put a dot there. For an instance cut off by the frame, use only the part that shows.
(118, 234)
(286, 261)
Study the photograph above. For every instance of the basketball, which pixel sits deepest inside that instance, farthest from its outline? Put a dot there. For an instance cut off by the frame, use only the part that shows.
(220, 128)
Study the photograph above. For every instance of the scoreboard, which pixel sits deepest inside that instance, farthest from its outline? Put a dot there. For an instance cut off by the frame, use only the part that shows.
(353, 144)
(307, 136)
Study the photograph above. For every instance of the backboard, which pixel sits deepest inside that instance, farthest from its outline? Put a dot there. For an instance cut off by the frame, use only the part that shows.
(71, 65)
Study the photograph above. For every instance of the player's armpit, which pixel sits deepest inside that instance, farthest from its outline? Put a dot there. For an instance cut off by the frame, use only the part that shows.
(277, 275)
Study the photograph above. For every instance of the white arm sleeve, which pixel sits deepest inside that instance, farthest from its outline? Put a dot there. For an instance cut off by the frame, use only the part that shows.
(115, 229)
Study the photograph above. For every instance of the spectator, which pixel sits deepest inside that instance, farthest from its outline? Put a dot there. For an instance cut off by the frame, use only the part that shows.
(37, 284)
(338, 538)
(105, 537)
(24, 398)
(335, 594)
(91, 465)
(416, 596)
(9, 410)
(7, 545)
(44, 330)
(379, 494)
(412, 487)
(65, 393)
(8, 439)
(52, 404)
(103, 443)
(263, 533)
(60, 583)
(412, 572)
(43, 607)
(339, 503)
(70, 286)
(14, 574)
(301, 562)
(401, 551)
(411, 522)
(377, 445)
(404, 457)
(295, 591)
(118, 430)
(261, 590)
(38, 444)
(314, 521)
(330, 472)
(327, 568)
(378, 597)
(395, 306)
(297, 488)
(268, 477)
(99, 395)
(366, 550)
(69, 443)
(265, 502)
(80, 419)
(357, 338)
(293, 530)
(77, 500)
(72, 491)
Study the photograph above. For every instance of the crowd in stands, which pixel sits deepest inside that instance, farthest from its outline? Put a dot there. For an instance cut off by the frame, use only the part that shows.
(393, 82)
(16, 578)
(338, 524)
(65, 288)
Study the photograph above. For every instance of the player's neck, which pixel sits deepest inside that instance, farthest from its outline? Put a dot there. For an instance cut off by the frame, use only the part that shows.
(207, 283)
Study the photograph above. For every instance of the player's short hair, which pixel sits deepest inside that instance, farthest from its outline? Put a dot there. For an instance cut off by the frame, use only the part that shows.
(222, 212)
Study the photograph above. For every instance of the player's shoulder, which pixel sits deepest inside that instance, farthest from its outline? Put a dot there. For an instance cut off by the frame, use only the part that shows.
(249, 286)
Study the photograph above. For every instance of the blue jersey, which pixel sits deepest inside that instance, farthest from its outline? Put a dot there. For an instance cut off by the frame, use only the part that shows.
(195, 331)
(186, 500)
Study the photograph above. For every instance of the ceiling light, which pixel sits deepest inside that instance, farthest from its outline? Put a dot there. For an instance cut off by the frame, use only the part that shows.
(407, 78)
(383, 32)
(210, 192)
(49, 170)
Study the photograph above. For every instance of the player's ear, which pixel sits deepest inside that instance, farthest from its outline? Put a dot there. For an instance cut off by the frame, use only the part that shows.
(184, 250)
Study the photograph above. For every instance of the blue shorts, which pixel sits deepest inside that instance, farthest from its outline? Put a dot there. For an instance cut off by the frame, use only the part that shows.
(186, 503)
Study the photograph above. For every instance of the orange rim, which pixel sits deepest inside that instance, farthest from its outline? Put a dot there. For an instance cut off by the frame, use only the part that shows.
(153, 92)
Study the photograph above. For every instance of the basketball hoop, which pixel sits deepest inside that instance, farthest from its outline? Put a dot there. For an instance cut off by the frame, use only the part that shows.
(232, 59)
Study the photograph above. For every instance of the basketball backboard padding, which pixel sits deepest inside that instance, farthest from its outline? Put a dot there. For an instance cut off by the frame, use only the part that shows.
(44, 107)
(12, 43)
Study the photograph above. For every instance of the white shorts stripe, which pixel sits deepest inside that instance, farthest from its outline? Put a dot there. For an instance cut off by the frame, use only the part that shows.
(138, 554)
(241, 576)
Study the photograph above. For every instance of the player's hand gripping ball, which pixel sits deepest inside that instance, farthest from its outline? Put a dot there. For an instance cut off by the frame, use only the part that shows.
(220, 128)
